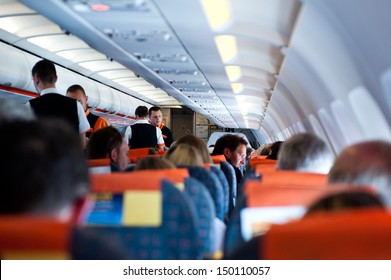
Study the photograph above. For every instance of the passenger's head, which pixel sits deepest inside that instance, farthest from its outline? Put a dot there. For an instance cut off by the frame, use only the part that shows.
(365, 163)
(108, 142)
(305, 152)
(42, 167)
(197, 143)
(11, 110)
(153, 162)
(44, 75)
(264, 150)
(77, 92)
(184, 154)
(274, 150)
(155, 116)
(141, 112)
(233, 148)
(347, 200)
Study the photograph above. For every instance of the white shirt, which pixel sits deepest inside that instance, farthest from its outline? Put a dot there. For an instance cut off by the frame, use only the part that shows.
(159, 136)
(84, 125)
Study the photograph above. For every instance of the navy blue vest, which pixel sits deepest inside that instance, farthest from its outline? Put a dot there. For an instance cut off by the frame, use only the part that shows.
(53, 105)
(143, 136)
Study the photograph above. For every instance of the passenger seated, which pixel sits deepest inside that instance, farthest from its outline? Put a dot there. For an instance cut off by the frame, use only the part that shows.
(365, 163)
(305, 152)
(184, 155)
(234, 149)
(153, 162)
(198, 144)
(44, 167)
(107, 142)
(342, 201)
(274, 150)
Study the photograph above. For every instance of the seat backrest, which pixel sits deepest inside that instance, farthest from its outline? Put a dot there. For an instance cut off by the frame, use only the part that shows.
(261, 205)
(140, 179)
(156, 222)
(101, 165)
(212, 183)
(135, 154)
(229, 173)
(206, 214)
(354, 235)
(294, 178)
(263, 163)
(33, 237)
(218, 158)
(224, 183)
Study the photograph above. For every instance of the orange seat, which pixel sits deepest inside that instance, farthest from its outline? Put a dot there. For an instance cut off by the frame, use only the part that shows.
(30, 237)
(294, 178)
(218, 158)
(259, 195)
(267, 204)
(98, 162)
(353, 235)
(264, 162)
(135, 154)
(141, 179)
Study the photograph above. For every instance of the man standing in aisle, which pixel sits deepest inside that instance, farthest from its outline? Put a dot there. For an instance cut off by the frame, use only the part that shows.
(142, 134)
(156, 118)
(78, 93)
(52, 104)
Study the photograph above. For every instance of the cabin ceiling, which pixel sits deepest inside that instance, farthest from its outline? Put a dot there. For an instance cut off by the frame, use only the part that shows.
(167, 52)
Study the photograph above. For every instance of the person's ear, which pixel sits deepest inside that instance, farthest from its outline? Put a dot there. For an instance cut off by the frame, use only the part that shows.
(36, 79)
(226, 152)
(113, 155)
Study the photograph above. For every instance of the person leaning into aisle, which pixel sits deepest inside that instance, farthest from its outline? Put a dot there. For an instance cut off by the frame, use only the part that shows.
(78, 93)
(52, 104)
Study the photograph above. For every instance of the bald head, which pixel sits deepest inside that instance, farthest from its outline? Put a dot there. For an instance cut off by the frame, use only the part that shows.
(366, 163)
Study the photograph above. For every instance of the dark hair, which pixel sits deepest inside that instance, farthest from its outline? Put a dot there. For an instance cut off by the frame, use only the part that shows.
(74, 88)
(229, 141)
(103, 141)
(274, 150)
(154, 109)
(45, 70)
(44, 167)
(141, 111)
(345, 200)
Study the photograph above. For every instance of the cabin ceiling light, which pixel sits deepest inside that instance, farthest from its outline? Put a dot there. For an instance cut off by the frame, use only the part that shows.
(227, 46)
(57, 43)
(237, 87)
(116, 74)
(83, 55)
(234, 72)
(97, 66)
(218, 12)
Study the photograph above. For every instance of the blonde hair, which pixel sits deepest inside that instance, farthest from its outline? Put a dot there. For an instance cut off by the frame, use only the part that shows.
(184, 154)
(198, 144)
(153, 162)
